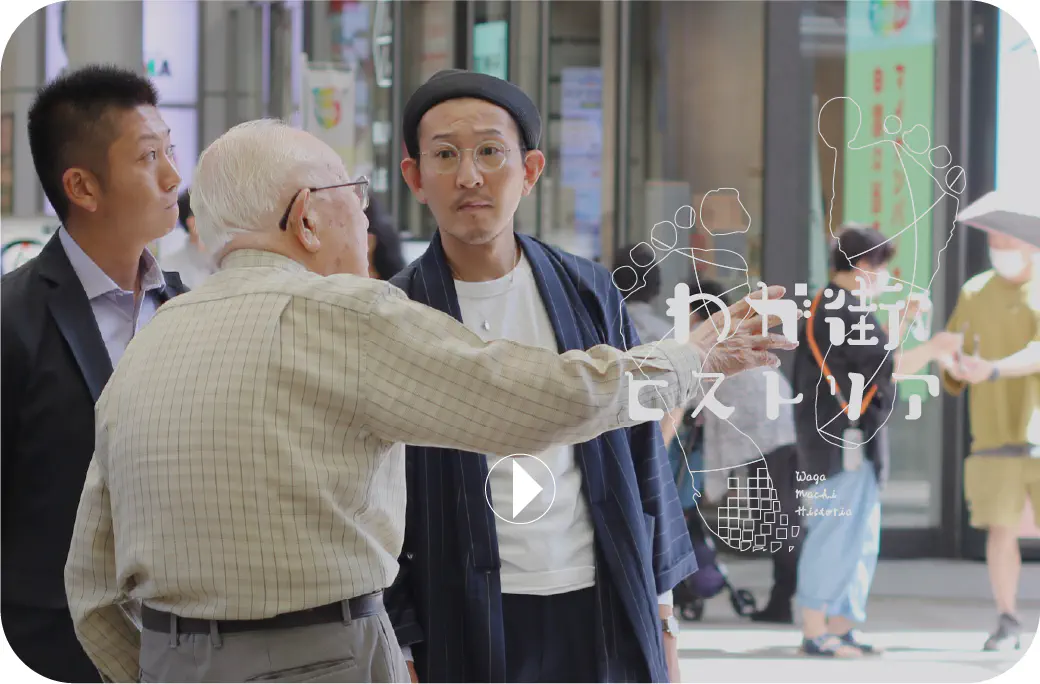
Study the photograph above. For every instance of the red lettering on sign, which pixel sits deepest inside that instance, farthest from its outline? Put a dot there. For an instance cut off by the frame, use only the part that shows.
(879, 79)
(876, 204)
(900, 75)
(879, 120)
(899, 214)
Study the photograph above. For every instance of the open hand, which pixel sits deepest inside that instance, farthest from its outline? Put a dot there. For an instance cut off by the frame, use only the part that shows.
(971, 369)
(744, 347)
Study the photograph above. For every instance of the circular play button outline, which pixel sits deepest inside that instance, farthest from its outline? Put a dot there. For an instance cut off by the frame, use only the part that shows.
(512, 459)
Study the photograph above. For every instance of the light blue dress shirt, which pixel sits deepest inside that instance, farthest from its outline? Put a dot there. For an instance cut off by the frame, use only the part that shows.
(118, 313)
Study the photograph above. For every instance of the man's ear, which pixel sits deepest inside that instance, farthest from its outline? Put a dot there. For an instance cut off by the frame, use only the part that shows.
(301, 222)
(534, 164)
(82, 187)
(412, 176)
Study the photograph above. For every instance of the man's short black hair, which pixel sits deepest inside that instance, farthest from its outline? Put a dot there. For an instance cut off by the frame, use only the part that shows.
(859, 242)
(647, 277)
(184, 209)
(70, 123)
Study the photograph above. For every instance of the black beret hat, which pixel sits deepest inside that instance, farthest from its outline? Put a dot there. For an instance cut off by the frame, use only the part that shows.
(452, 84)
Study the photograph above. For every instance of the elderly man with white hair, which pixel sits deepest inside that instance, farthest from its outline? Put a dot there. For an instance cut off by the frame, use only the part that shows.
(248, 482)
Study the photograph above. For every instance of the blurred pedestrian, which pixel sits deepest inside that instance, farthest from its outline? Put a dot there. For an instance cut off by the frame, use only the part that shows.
(999, 313)
(749, 440)
(639, 277)
(385, 257)
(847, 455)
(104, 158)
(190, 261)
(249, 489)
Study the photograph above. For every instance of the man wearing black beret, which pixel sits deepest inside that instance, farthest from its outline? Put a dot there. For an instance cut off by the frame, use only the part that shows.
(584, 592)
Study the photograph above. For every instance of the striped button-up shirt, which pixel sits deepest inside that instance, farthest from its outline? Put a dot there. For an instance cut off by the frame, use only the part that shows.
(119, 313)
(249, 457)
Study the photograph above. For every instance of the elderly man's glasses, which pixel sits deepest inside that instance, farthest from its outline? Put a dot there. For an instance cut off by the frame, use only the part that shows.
(360, 189)
(489, 156)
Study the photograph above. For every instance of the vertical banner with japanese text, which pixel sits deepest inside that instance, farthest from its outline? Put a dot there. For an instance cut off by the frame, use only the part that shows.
(890, 74)
(328, 108)
(581, 151)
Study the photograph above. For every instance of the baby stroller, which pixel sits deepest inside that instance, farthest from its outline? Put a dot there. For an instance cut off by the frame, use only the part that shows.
(710, 579)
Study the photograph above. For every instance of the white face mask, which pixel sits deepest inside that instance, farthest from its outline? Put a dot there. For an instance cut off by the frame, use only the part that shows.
(1009, 263)
(873, 283)
(881, 280)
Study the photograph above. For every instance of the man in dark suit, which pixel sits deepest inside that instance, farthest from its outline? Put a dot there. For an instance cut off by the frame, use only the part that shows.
(103, 156)
(583, 592)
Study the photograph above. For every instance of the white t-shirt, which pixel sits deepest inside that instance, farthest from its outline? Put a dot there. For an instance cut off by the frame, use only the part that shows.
(554, 554)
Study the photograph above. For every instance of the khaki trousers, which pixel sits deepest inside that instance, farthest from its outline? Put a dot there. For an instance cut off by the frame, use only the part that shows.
(363, 650)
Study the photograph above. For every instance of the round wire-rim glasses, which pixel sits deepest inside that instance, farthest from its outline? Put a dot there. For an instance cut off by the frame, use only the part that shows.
(489, 156)
(360, 186)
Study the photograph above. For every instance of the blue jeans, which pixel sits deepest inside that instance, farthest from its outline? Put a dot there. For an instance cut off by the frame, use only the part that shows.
(842, 525)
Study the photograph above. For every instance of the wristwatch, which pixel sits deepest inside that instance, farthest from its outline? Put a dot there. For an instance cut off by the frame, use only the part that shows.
(994, 374)
(670, 625)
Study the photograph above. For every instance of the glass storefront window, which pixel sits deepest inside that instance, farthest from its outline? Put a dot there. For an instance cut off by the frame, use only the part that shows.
(429, 46)
(490, 39)
(573, 123)
(356, 28)
(696, 107)
(874, 88)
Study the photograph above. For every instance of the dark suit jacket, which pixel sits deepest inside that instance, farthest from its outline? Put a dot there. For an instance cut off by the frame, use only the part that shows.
(54, 368)
(447, 601)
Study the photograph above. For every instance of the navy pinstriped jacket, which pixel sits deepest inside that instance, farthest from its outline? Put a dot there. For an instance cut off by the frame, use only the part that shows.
(446, 602)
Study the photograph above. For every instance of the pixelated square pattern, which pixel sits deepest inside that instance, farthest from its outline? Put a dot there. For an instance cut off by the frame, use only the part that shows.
(751, 512)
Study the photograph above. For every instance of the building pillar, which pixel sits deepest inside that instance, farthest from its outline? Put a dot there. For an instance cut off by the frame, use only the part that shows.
(100, 32)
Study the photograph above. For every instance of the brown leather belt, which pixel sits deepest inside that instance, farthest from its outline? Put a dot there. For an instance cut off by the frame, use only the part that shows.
(343, 611)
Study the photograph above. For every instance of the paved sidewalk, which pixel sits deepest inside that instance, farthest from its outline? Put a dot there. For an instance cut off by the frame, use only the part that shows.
(930, 617)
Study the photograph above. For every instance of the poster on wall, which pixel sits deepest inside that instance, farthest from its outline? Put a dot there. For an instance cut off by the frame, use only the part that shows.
(1018, 102)
(328, 107)
(890, 74)
(491, 48)
(581, 150)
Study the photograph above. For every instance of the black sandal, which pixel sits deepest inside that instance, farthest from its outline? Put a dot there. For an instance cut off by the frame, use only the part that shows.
(828, 646)
(849, 639)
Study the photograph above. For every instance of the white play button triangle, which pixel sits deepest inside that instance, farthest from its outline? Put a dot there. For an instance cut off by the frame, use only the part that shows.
(525, 489)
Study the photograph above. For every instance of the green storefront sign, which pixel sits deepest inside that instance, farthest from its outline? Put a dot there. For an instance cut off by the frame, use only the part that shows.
(890, 181)
(888, 175)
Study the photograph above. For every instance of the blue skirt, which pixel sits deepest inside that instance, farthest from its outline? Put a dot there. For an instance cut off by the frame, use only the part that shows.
(842, 523)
